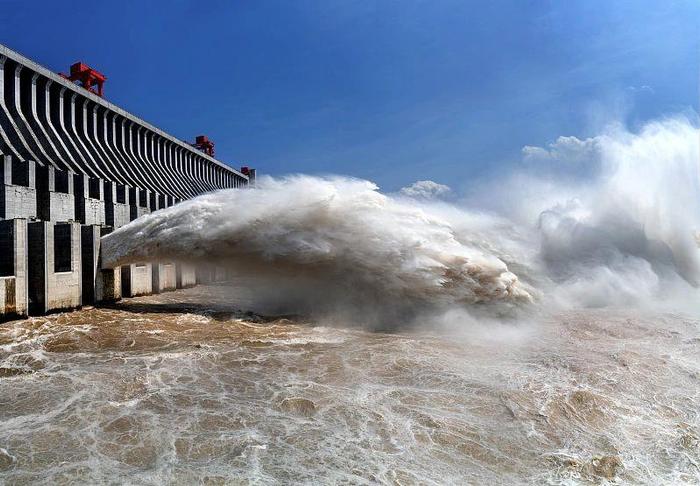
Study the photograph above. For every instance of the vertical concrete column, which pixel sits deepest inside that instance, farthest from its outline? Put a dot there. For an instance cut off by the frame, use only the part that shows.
(117, 207)
(17, 188)
(220, 274)
(153, 201)
(205, 273)
(186, 275)
(108, 287)
(6, 172)
(136, 279)
(164, 277)
(54, 266)
(89, 199)
(99, 285)
(138, 202)
(110, 192)
(13, 268)
(55, 194)
(208, 273)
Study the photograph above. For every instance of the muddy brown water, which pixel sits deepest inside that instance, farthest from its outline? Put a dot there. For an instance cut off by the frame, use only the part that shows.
(188, 388)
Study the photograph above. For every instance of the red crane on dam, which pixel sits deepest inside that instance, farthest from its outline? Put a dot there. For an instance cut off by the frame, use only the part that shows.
(203, 143)
(90, 79)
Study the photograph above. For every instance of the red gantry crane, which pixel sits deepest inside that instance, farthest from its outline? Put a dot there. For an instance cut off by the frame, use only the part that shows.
(88, 78)
(203, 143)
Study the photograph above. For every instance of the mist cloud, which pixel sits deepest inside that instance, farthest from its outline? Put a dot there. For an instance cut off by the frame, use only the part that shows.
(425, 190)
(623, 236)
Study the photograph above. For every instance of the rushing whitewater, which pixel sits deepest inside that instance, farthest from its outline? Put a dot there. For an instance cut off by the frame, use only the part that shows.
(622, 231)
(545, 331)
(335, 237)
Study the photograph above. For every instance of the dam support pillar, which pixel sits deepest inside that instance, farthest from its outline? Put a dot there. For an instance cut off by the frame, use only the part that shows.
(205, 274)
(55, 194)
(153, 201)
(138, 202)
(54, 266)
(99, 284)
(13, 268)
(17, 188)
(117, 205)
(220, 274)
(89, 200)
(137, 279)
(186, 275)
(164, 277)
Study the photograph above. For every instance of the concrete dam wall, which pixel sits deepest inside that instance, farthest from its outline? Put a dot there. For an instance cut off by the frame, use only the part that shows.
(74, 167)
(55, 123)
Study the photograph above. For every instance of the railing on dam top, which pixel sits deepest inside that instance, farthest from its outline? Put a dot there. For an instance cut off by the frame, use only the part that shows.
(46, 119)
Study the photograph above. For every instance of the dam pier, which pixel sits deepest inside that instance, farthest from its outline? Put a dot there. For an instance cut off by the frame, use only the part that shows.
(74, 167)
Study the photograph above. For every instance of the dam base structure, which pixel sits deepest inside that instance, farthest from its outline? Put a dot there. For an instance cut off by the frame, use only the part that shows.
(74, 167)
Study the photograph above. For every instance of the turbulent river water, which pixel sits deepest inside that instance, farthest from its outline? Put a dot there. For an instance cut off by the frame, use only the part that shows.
(550, 336)
(167, 390)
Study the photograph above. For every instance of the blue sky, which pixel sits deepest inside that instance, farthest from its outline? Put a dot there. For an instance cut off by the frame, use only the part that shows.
(393, 91)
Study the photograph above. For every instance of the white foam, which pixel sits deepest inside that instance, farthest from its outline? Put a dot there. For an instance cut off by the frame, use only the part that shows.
(624, 234)
(330, 239)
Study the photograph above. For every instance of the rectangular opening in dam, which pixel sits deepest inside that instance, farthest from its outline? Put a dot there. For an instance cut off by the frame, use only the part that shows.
(94, 188)
(7, 249)
(142, 199)
(121, 194)
(61, 181)
(20, 173)
(62, 243)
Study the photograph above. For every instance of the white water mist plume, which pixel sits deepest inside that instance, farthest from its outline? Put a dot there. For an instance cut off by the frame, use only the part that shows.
(324, 243)
(627, 234)
(620, 232)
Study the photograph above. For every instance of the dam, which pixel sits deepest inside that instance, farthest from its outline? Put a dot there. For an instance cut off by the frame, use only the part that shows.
(74, 167)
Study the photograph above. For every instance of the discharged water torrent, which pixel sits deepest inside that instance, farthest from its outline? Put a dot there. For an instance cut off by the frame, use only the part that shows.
(628, 235)
(532, 330)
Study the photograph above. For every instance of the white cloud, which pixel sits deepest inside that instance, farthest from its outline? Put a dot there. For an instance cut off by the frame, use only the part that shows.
(565, 155)
(425, 190)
